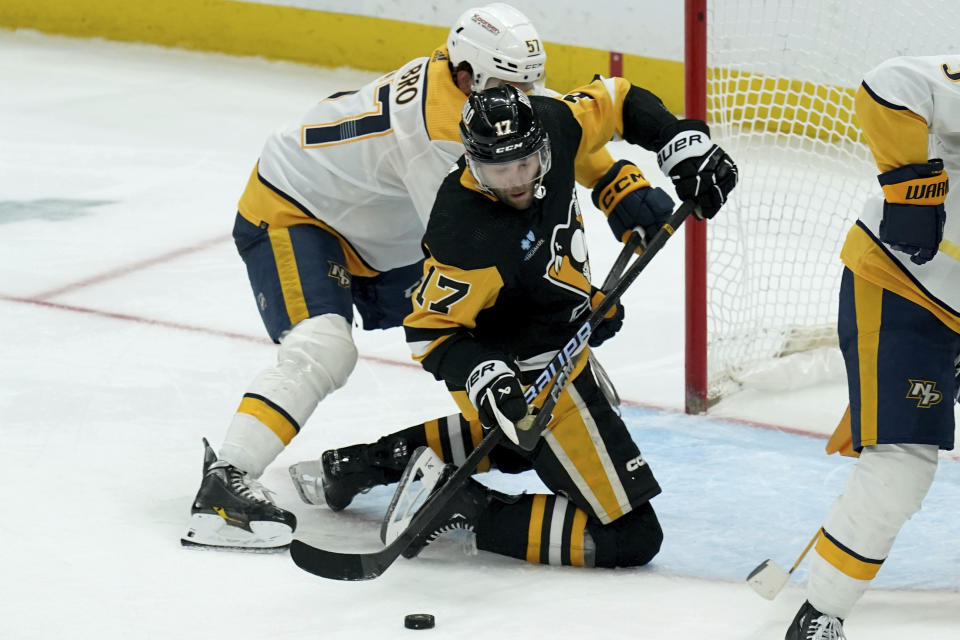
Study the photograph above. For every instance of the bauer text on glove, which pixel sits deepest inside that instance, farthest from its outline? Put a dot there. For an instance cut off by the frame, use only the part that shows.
(630, 202)
(700, 170)
(913, 213)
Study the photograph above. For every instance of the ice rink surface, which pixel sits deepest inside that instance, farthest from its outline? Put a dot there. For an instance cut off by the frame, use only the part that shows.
(130, 332)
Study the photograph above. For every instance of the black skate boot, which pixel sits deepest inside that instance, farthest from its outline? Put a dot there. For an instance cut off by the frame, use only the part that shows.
(810, 624)
(461, 513)
(340, 474)
(233, 511)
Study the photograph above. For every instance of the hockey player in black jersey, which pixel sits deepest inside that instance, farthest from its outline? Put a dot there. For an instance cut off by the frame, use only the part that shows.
(507, 282)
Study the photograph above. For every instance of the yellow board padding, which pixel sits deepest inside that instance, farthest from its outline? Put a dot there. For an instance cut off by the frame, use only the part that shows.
(276, 421)
(378, 44)
(303, 35)
(783, 105)
(236, 28)
(845, 560)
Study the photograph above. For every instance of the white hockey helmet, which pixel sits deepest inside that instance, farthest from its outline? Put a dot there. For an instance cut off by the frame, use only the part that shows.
(499, 42)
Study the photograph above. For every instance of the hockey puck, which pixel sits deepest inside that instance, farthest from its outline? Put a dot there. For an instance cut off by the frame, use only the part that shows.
(418, 621)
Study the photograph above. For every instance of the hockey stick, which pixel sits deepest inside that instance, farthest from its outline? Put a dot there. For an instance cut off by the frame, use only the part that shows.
(366, 566)
(556, 374)
(616, 270)
(768, 579)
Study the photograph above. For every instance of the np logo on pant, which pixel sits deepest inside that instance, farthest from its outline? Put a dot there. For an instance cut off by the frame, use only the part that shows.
(925, 393)
(339, 273)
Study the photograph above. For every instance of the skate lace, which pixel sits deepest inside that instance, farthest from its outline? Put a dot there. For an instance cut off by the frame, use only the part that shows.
(826, 628)
(249, 488)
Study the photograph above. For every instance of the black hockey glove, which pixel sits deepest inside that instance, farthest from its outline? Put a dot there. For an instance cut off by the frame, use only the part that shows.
(700, 170)
(612, 321)
(630, 202)
(913, 213)
(493, 387)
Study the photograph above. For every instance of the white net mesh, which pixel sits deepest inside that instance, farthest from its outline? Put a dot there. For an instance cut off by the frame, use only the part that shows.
(781, 76)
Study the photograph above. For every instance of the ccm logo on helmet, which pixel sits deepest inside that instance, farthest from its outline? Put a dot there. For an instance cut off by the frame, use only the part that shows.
(509, 147)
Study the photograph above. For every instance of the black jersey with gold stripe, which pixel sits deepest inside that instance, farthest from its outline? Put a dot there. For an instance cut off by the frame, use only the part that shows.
(510, 284)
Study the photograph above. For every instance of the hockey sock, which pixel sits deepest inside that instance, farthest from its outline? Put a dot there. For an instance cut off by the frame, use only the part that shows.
(453, 438)
(884, 489)
(540, 528)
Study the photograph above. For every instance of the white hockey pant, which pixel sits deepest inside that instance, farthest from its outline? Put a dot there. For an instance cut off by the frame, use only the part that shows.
(884, 489)
(314, 359)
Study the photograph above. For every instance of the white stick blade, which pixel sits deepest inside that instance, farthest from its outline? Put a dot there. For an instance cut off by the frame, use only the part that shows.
(415, 486)
(768, 579)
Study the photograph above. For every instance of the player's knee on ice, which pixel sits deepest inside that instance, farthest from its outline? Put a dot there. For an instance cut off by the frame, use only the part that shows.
(631, 540)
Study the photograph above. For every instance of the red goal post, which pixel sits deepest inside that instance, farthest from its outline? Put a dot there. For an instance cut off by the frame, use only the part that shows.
(695, 266)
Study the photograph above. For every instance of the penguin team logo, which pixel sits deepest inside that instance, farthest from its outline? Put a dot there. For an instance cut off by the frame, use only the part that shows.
(925, 393)
(569, 266)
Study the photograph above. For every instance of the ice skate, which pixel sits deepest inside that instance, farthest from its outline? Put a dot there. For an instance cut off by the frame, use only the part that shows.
(424, 475)
(340, 474)
(810, 624)
(233, 511)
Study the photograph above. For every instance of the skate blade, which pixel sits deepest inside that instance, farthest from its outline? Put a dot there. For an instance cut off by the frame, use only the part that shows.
(210, 531)
(193, 546)
(768, 579)
(415, 486)
(307, 480)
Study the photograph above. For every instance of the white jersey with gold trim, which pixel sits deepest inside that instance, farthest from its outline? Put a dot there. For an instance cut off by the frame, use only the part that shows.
(898, 90)
(368, 163)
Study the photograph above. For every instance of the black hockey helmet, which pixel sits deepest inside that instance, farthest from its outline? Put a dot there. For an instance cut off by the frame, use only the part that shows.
(499, 126)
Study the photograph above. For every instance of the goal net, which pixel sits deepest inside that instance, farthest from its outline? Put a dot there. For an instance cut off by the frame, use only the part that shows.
(780, 80)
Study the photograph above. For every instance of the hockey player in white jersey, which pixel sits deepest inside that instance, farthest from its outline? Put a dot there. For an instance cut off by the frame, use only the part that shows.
(331, 218)
(899, 325)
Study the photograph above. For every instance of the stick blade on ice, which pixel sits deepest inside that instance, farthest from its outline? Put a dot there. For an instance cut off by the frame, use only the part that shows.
(768, 579)
(332, 565)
